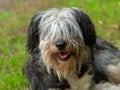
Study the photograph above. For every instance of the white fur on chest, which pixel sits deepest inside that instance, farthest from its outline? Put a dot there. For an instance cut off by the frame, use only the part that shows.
(76, 83)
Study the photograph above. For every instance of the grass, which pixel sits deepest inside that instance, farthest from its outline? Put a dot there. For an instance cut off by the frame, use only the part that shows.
(14, 20)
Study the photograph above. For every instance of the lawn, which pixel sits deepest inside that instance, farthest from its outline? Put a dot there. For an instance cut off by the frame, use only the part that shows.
(15, 17)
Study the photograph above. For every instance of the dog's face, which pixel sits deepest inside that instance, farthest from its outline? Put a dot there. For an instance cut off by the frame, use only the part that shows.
(63, 36)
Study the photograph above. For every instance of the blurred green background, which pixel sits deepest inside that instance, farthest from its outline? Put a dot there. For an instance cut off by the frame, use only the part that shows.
(15, 16)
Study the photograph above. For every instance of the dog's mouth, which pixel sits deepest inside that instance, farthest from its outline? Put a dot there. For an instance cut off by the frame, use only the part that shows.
(64, 56)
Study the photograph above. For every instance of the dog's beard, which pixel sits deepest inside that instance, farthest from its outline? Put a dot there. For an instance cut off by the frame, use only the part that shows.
(65, 63)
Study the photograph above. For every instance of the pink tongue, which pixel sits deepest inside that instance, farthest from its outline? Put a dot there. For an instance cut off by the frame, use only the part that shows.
(63, 55)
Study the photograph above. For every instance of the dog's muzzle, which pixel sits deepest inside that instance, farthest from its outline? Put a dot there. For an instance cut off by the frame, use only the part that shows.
(63, 55)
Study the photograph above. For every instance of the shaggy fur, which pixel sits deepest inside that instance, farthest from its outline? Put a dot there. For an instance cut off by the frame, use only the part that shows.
(66, 55)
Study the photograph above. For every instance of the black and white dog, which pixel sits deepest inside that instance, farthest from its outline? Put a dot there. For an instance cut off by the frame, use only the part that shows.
(65, 53)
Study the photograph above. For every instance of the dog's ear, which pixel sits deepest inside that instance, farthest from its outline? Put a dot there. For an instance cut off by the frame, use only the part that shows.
(33, 33)
(86, 26)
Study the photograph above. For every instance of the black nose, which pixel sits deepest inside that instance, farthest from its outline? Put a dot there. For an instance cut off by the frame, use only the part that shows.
(61, 45)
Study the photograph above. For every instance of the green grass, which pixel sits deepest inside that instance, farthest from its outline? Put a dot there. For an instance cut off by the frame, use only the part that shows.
(14, 20)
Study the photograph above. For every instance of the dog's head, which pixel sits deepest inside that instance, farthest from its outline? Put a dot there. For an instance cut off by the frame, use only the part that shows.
(62, 37)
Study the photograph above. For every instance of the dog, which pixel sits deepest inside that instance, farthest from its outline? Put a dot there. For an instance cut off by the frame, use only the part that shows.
(65, 53)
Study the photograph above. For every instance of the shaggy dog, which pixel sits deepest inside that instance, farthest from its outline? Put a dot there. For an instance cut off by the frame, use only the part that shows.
(65, 53)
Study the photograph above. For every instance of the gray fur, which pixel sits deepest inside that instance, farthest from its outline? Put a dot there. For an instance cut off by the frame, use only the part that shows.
(60, 25)
(75, 27)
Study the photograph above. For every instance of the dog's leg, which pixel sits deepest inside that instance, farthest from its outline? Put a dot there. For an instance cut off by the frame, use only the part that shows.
(33, 77)
(36, 84)
(114, 73)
